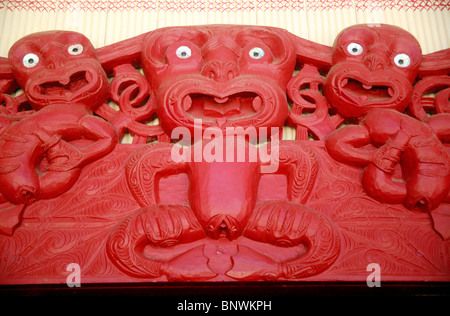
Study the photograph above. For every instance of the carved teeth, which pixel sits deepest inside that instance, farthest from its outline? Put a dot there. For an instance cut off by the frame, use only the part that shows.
(391, 92)
(367, 87)
(257, 103)
(344, 82)
(65, 81)
(187, 102)
(89, 76)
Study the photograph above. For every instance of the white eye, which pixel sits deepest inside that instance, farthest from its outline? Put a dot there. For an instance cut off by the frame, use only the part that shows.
(354, 49)
(402, 60)
(30, 60)
(76, 49)
(256, 53)
(183, 52)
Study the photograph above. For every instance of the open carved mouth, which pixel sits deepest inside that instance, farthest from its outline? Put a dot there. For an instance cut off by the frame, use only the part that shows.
(238, 105)
(363, 92)
(67, 86)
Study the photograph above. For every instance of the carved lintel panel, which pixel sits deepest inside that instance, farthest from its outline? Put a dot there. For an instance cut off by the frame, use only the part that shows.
(210, 189)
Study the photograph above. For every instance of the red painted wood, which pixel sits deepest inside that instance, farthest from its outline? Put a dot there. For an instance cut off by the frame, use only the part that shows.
(366, 181)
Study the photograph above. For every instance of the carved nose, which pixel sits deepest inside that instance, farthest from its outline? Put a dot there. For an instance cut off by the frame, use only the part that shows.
(221, 70)
(54, 56)
(55, 61)
(223, 226)
(375, 62)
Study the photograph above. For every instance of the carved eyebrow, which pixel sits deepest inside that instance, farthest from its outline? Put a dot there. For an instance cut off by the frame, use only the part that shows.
(221, 41)
(364, 35)
(168, 38)
(18, 51)
(272, 40)
(400, 39)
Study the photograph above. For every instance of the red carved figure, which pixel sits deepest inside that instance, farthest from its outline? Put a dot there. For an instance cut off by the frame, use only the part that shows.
(227, 77)
(42, 154)
(209, 188)
(371, 80)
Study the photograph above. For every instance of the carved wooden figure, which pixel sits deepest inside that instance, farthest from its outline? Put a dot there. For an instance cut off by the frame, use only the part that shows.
(43, 153)
(208, 189)
(227, 77)
(371, 79)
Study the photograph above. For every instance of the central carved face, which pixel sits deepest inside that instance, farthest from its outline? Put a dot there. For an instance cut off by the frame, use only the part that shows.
(373, 67)
(225, 76)
(59, 68)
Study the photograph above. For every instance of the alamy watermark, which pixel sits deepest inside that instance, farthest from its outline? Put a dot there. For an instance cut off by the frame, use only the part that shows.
(74, 278)
(374, 278)
(236, 144)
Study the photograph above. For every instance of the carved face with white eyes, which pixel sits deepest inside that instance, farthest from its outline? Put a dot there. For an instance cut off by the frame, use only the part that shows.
(59, 67)
(373, 67)
(223, 75)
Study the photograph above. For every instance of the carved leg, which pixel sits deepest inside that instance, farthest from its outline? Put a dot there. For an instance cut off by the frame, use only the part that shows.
(441, 126)
(97, 129)
(287, 224)
(19, 181)
(162, 226)
(54, 183)
(380, 185)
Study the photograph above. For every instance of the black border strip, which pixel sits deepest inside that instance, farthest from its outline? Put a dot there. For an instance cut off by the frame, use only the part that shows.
(232, 289)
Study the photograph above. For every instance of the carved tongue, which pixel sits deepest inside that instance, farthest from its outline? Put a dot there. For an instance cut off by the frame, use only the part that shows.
(221, 106)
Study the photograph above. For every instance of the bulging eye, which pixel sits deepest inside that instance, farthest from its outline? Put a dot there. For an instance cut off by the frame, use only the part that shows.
(355, 49)
(76, 49)
(402, 60)
(30, 60)
(183, 52)
(256, 53)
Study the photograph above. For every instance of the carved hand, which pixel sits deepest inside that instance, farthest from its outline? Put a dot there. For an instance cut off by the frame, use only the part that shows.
(280, 224)
(389, 155)
(63, 157)
(167, 226)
